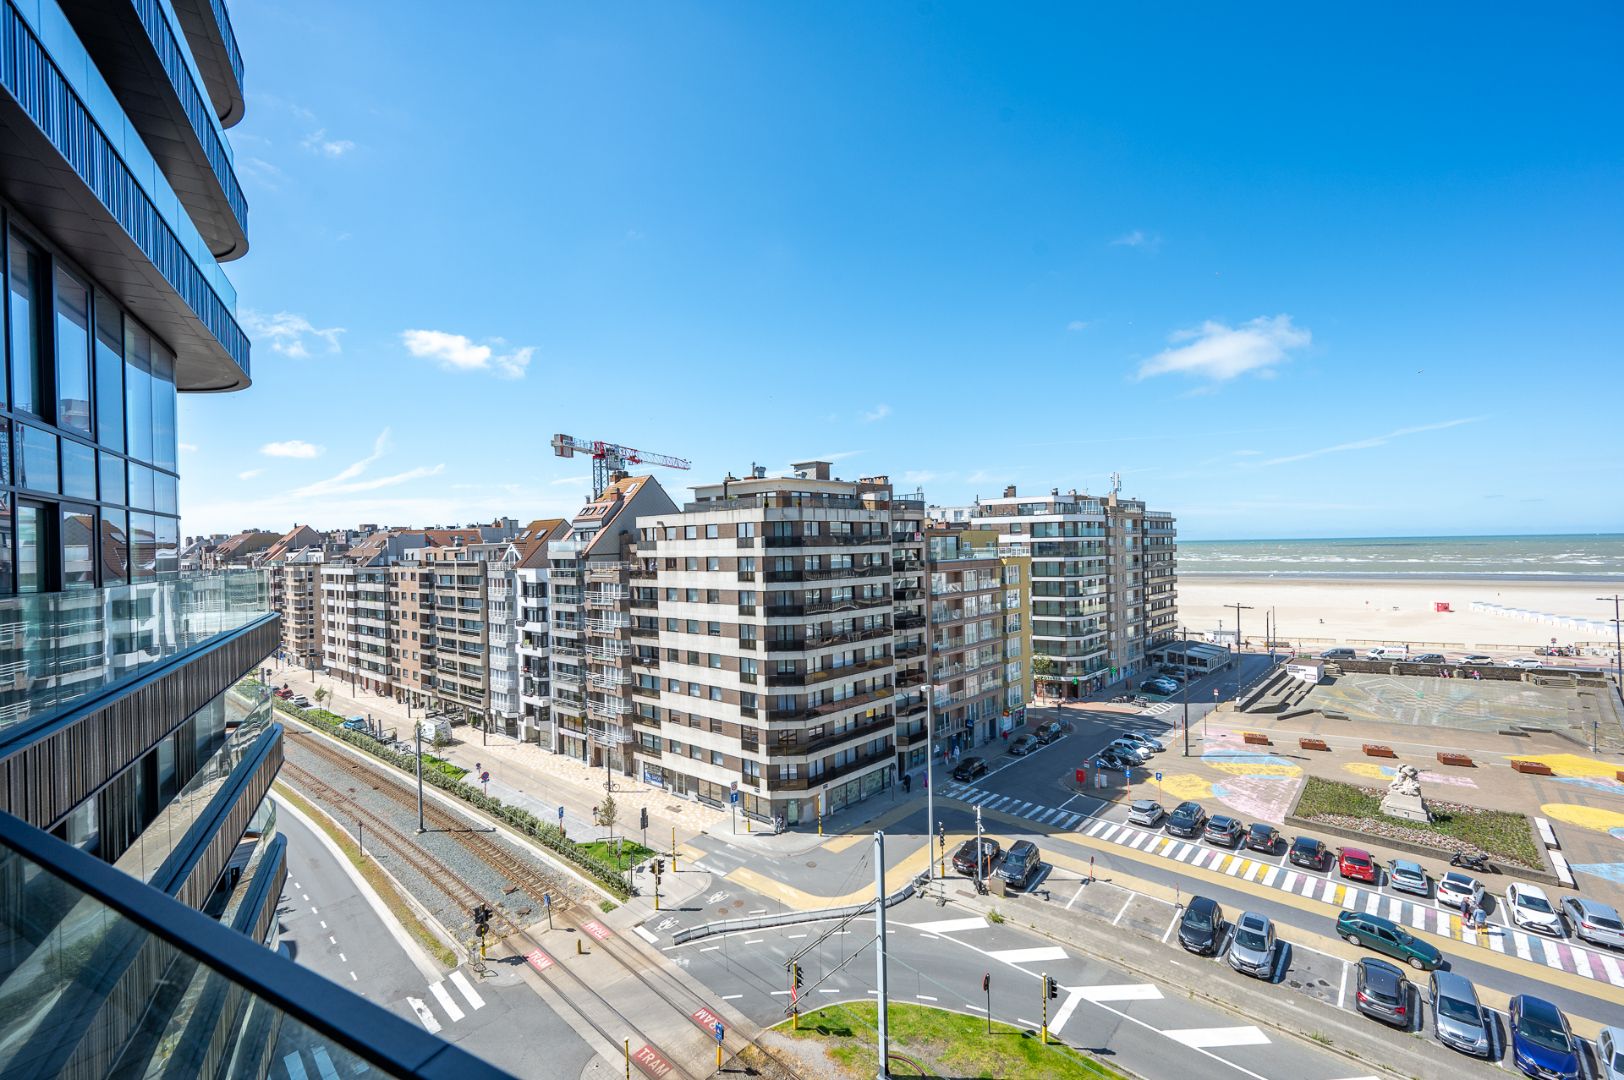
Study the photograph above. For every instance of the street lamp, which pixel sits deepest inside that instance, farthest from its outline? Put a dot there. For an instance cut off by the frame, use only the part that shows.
(930, 762)
(1618, 641)
(1185, 651)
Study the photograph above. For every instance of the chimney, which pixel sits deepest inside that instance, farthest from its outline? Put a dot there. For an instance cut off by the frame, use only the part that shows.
(1009, 492)
(811, 470)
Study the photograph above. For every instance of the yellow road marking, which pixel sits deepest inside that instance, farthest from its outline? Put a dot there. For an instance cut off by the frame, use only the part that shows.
(1586, 817)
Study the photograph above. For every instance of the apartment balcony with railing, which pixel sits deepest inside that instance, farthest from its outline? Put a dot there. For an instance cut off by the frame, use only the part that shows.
(613, 708)
(610, 623)
(860, 763)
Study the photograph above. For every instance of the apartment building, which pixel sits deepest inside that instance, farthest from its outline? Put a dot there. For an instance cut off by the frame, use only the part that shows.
(770, 661)
(241, 551)
(980, 641)
(360, 612)
(590, 623)
(293, 569)
(520, 649)
(1090, 614)
(141, 858)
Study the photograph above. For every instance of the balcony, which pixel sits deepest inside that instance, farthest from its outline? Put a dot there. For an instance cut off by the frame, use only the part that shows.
(75, 644)
(611, 707)
(608, 652)
(611, 681)
(828, 573)
(608, 571)
(207, 990)
(608, 625)
(812, 678)
(825, 541)
(803, 783)
(855, 603)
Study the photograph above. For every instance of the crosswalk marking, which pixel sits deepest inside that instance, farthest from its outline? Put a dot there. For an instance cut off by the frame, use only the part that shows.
(1497, 941)
(1522, 947)
(1235, 865)
(1270, 875)
(467, 990)
(424, 1014)
(324, 1063)
(1029, 956)
(1185, 851)
(1374, 904)
(1099, 827)
(1609, 965)
(295, 1067)
(1553, 954)
(949, 926)
(1121, 992)
(1289, 882)
(1394, 907)
(443, 996)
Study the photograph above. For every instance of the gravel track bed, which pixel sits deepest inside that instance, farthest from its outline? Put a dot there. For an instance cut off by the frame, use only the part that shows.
(496, 887)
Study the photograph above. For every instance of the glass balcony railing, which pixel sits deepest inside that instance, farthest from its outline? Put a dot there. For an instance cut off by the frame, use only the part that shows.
(58, 648)
(104, 975)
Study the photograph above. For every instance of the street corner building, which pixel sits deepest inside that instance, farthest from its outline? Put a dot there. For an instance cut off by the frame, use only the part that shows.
(140, 863)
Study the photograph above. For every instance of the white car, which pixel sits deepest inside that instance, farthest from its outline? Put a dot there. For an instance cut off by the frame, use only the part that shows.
(1477, 659)
(1153, 745)
(1530, 909)
(1145, 812)
(1454, 887)
(1524, 662)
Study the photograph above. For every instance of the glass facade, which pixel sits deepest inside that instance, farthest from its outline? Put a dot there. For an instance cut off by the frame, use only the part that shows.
(88, 485)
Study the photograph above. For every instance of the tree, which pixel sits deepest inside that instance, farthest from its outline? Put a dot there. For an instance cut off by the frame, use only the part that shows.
(1043, 668)
(608, 812)
(322, 695)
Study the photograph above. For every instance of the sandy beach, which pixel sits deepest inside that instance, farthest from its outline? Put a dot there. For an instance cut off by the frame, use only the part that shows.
(1336, 610)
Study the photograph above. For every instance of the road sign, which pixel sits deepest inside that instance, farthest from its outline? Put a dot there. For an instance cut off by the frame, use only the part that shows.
(547, 899)
(719, 1030)
(733, 796)
(1158, 778)
(561, 815)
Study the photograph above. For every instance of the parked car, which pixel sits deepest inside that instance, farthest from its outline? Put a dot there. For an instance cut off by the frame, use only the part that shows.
(1541, 1043)
(1529, 908)
(964, 859)
(1225, 831)
(356, 723)
(1047, 733)
(1524, 662)
(1130, 750)
(1306, 851)
(1263, 837)
(1388, 652)
(1454, 887)
(1020, 863)
(969, 768)
(1161, 684)
(1428, 658)
(1187, 819)
(1355, 864)
(1201, 928)
(299, 701)
(284, 693)
(1382, 991)
(1339, 654)
(1022, 745)
(1145, 812)
(1407, 876)
(1251, 947)
(1155, 746)
(1458, 1019)
(1386, 936)
(1610, 1052)
(1476, 659)
(1110, 759)
(1594, 922)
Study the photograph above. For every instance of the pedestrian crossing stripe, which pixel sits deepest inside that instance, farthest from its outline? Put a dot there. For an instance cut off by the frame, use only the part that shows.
(1562, 956)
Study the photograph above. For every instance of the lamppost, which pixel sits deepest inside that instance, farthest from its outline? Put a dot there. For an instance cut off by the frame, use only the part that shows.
(930, 763)
(1618, 641)
(1240, 642)
(1184, 635)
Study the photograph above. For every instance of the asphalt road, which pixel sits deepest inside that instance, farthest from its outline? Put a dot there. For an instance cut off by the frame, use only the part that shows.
(938, 957)
(326, 926)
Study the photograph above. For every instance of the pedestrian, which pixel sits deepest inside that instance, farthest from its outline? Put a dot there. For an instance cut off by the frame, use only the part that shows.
(907, 783)
(1480, 919)
(1466, 908)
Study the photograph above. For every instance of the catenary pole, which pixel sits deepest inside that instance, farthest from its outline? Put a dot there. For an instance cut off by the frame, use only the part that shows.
(879, 954)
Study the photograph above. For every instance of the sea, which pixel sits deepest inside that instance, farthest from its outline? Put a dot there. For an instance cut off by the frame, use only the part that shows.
(1581, 557)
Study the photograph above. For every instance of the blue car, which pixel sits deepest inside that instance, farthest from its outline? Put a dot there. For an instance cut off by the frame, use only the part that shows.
(1541, 1044)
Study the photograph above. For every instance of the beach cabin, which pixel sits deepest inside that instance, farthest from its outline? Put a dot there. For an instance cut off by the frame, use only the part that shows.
(1306, 669)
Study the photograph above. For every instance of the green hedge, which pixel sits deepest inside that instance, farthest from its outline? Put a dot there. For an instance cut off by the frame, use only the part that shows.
(448, 777)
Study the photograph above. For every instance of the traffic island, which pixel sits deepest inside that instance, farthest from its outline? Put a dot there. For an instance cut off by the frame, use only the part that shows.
(840, 1040)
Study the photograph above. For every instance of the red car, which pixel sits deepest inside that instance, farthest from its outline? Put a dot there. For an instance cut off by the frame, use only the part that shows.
(1355, 865)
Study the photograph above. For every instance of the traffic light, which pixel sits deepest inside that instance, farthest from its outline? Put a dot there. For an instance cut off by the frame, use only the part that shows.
(796, 969)
(659, 868)
(1051, 988)
(482, 918)
(986, 982)
(642, 818)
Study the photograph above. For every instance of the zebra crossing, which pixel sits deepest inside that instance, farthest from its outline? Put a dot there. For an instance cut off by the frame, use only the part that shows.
(447, 1003)
(1037, 813)
(1561, 955)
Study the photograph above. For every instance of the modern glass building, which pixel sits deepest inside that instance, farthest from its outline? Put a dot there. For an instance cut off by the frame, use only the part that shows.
(140, 865)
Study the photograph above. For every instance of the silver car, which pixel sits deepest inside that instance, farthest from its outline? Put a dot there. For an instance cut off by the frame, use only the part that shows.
(1593, 922)
(1407, 876)
(1155, 746)
(1610, 1053)
(1145, 812)
(1251, 948)
(1457, 1018)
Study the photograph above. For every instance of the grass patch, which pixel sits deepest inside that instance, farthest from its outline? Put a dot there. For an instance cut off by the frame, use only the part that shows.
(939, 1042)
(380, 882)
(631, 852)
(1501, 833)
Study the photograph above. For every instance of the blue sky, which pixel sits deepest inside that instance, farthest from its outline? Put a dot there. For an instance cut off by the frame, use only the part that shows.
(1295, 274)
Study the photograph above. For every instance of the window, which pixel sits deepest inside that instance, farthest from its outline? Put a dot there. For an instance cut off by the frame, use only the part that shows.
(713, 596)
(27, 293)
(79, 470)
(31, 548)
(710, 532)
(714, 562)
(717, 758)
(747, 528)
(716, 693)
(115, 547)
(138, 390)
(78, 548)
(690, 532)
(37, 459)
(72, 353)
(691, 563)
(715, 660)
(163, 407)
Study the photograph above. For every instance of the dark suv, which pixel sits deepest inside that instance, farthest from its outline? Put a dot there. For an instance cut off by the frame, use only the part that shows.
(1306, 851)
(1187, 819)
(964, 859)
(1201, 928)
(1021, 863)
(1224, 831)
(970, 768)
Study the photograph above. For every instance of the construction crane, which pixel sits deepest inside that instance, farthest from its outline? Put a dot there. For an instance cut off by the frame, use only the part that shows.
(610, 458)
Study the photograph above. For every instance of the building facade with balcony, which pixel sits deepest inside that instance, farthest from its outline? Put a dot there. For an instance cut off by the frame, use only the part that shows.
(141, 856)
(763, 638)
(590, 624)
(516, 635)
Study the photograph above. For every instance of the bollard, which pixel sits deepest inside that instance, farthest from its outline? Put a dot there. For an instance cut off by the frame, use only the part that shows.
(673, 849)
(580, 950)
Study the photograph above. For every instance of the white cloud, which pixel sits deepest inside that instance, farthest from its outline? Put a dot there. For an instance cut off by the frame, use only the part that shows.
(980, 476)
(1138, 239)
(249, 474)
(459, 353)
(292, 448)
(919, 476)
(571, 481)
(345, 481)
(1216, 351)
(878, 412)
(318, 142)
(188, 448)
(287, 333)
(1077, 324)
(1367, 443)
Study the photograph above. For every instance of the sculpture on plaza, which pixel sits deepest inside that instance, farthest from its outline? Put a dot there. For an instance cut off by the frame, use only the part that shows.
(1403, 798)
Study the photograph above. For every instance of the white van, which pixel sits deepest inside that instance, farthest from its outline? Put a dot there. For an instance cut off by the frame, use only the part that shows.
(1388, 652)
(435, 727)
